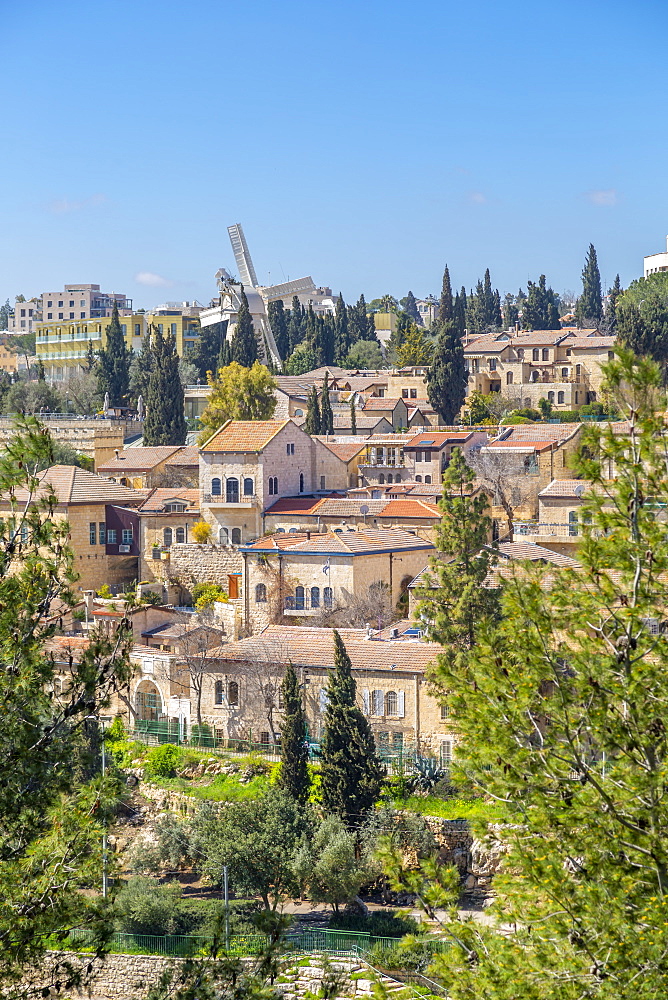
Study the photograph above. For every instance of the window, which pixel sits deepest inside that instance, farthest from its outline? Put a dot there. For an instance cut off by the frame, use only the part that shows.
(50, 303)
(327, 597)
(92, 532)
(137, 329)
(71, 303)
(577, 395)
(82, 315)
(535, 354)
(520, 354)
(260, 593)
(173, 329)
(60, 303)
(550, 397)
(273, 486)
(290, 448)
(102, 531)
(397, 741)
(413, 393)
(60, 315)
(215, 487)
(218, 697)
(509, 378)
(397, 478)
(381, 477)
(223, 536)
(167, 537)
(418, 456)
(573, 523)
(546, 354)
(404, 393)
(418, 479)
(560, 397)
(232, 490)
(492, 364)
(446, 752)
(378, 703)
(564, 372)
(427, 479)
(389, 477)
(127, 536)
(515, 496)
(236, 536)
(264, 737)
(315, 597)
(111, 536)
(322, 482)
(49, 315)
(301, 482)
(233, 693)
(180, 534)
(578, 369)
(391, 704)
(248, 487)
(299, 598)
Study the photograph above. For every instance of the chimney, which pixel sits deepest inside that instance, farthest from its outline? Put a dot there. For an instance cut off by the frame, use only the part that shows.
(308, 536)
(394, 634)
(116, 452)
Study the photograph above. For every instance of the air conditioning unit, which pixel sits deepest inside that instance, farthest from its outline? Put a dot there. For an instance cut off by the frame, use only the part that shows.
(124, 548)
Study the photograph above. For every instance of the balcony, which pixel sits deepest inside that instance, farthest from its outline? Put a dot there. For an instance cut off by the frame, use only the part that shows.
(300, 605)
(545, 530)
(218, 500)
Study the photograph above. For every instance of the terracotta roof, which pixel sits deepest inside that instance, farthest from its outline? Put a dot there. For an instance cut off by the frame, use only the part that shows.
(138, 459)
(539, 432)
(74, 485)
(362, 419)
(486, 345)
(294, 505)
(382, 402)
(592, 342)
(344, 451)
(359, 383)
(59, 645)
(534, 553)
(314, 647)
(140, 650)
(349, 507)
(411, 508)
(519, 444)
(565, 488)
(437, 439)
(188, 455)
(242, 436)
(352, 542)
(158, 497)
(539, 338)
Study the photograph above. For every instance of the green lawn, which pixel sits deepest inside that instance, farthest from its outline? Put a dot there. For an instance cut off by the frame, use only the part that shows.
(456, 808)
(222, 788)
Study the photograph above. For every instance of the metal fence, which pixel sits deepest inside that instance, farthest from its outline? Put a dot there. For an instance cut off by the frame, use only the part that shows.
(312, 940)
(398, 759)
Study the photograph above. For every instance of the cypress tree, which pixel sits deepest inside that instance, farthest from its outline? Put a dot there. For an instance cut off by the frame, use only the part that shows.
(459, 312)
(244, 341)
(326, 414)
(294, 777)
(143, 365)
(278, 322)
(207, 351)
(488, 304)
(313, 423)
(351, 773)
(91, 358)
(353, 416)
(113, 369)
(447, 378)
(411, 309)
(611, 307)
(445, 307)
(225, 356)
(296, 324)
(165, 421)
(589, 308)
(341, 331)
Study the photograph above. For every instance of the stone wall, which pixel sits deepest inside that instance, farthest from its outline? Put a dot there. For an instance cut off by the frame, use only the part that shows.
(131, 976)
(192, 563)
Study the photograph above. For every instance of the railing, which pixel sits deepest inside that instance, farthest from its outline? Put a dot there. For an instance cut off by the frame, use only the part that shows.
(545, 529)
(304, 603)
(223, 498)
(332, 942)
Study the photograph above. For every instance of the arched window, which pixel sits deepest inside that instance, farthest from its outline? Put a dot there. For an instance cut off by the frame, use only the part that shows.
(327, 597)
(273, 486)
(427, 479)
(248, 487)
(167, 537)
(260, 593)
(236, 536)
(315, 597)
(180, 534)
(397, 478)
(391, 703)
(219, 693)
(509, 378)
(560, 397)
(233, 693)
(495, 531)
(535, 354)
(534, 376)
(550, 397)
(381, 478)
(418, 479)
(299, 413)
(299, 598)
(564, 372)
(232, 490)
(389, 477)
(520, 354)
(215, 487)
(223, 536)
(301, 482)
(546, 354)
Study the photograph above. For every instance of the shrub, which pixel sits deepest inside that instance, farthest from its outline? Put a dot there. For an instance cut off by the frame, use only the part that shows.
(145, 907)
(428, 773)
(206, 594)
(201, 532)
(412, 954)
(380, 923)
(162, 761)
(104, 591)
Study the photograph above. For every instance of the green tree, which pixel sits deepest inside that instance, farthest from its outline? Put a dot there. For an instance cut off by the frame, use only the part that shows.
(610, 323)
(341, 331)
(326, 414)
(642, 317)
(589, 308)
(445, 310)
(567, 729)
(353, 416)
(238, 393)
(313, 422)
(364, 354)
(278, 321)
(294, 777)
(329, 869)
(301, 360)
(416, 348)
(113, 365)
(360, 322)
(447, 377)
(205, 356)
(411, 309)
(91, 358)
(244, 340)
(296, 324)
(165, 421)
(5, 313)
(256, 839)
(351, 773)
(142, 366)
(51, 822)
(540, 308)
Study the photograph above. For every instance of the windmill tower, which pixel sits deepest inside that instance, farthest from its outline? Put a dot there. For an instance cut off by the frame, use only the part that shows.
(247, 274)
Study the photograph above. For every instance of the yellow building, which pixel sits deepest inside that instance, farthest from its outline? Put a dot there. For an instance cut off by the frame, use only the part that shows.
(62, 346)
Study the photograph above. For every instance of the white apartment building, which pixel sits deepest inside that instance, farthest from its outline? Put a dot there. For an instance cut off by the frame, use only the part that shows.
(656, 262)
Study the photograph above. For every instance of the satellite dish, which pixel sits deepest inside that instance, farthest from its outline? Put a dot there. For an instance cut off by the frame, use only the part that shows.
(364, 509)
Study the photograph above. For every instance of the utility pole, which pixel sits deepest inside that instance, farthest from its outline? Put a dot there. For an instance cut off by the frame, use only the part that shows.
(227, 910)
(104, 835)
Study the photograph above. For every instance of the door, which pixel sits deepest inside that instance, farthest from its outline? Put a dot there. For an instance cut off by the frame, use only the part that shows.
(233, 587)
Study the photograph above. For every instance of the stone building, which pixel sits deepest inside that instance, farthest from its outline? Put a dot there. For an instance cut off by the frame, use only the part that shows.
(138, 467)
(166, 517)
(337, 514)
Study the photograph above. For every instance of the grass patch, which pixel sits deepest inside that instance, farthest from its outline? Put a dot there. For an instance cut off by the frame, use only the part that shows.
(455, 808)
(221, 788)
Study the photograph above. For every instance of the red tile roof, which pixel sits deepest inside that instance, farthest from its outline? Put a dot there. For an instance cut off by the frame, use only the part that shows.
(351, 542)
(73, 485)
(346, 451)
(138, 459)
(244, 436)
(382, 402)
(437, 439)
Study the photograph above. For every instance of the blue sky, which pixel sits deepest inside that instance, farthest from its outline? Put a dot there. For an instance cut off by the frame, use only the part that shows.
(364, 143)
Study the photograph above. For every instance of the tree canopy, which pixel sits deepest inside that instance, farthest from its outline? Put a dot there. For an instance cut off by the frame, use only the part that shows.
(165, 421)
(447, 377)
(239, 393)
(113, 364)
